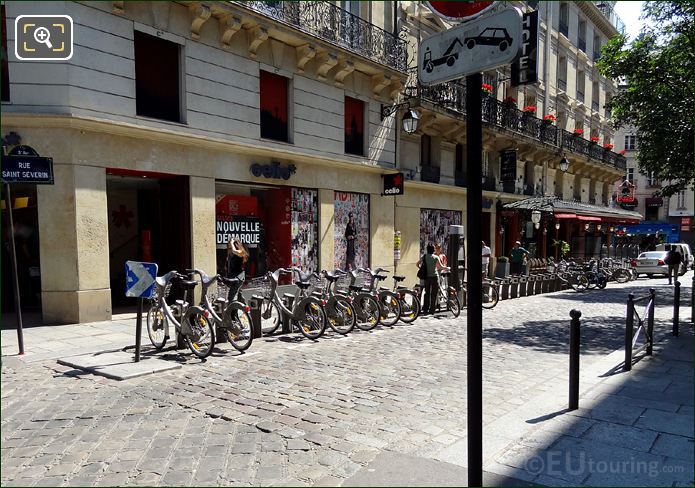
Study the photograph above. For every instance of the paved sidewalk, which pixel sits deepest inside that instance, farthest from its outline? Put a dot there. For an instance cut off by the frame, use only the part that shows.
(346, 409)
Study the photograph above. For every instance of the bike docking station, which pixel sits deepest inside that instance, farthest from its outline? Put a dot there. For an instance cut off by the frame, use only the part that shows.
(119, 364)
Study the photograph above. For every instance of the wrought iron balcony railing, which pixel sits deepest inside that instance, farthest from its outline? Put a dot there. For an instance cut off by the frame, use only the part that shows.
(562, 84)
(580, 96)
(452, 96)
(330, 23)
(594, 106)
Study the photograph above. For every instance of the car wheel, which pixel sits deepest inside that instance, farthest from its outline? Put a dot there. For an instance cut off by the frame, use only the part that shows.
(503, 46)
(470, 44)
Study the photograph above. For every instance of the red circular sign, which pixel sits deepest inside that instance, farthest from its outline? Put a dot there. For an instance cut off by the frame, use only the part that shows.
(459, 10)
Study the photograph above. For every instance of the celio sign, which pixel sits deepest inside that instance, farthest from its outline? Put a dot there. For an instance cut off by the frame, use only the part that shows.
(273, 170)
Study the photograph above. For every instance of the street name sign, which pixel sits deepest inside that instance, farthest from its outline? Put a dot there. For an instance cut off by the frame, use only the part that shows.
(139, 281)
(24, 165)
(478, 45)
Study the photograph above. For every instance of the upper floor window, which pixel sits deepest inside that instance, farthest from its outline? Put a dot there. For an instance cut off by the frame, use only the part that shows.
(354, 126)
(580, 85)
(425, 150)
(157, 77)
(564, 18)
(562, 73)
(597, 48)
(5, 88)
(630, 175)
(653, 180)
(274, 106)
(581, 36)
(389, 25)
(630, 142)
(459, 167)
(680, 200)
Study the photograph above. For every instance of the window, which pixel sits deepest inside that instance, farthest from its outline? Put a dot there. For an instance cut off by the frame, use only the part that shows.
(581, 36)
(354, 126)
(5, 67)
(425, 150)
(630, 142)
(274, 107)
(562, 73)
(597, 48)
(564, 18)
(631, 175)
(580, 85)
(459, 158)
(652, 180)
(388, 16)
(594, 96)
(608, 101)
(157, 78)
(651, 213)
(680, 202)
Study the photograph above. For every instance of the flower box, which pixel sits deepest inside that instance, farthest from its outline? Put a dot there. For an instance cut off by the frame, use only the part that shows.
(608, 146)
(622, 152)
(529, 109)
(509, 101)
(578, 132)
(594, 139)
(486, 89)
(549, 119)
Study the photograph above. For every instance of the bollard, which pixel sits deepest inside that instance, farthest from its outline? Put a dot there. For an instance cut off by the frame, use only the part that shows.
(574, 359)
(255, 303)
(288, 299)
(650, 321)
(629, 324)
(676, 306)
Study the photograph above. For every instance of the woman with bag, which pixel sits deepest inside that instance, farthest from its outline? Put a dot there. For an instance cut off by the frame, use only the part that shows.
(429, 264)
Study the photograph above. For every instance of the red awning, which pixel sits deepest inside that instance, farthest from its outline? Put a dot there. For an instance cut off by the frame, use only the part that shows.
(586, 217)
(565, 216)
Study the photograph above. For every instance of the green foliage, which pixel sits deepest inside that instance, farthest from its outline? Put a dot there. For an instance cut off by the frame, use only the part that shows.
(659, 99)
(503, 259)
(564, 247)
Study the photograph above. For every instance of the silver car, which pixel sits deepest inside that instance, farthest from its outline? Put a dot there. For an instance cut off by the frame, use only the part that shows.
(651, 263)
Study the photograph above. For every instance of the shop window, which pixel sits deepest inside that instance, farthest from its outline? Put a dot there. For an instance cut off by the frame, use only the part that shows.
(274, 106)
(434, 227)
(651, 213)
(351, 243)
(5, 88)
(279, 226)
(354, 126)
(157, 75)
(425, 150)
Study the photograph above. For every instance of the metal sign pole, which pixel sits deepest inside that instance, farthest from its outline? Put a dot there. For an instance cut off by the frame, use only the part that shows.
(474, 148)
(13, 251)
(138, 330)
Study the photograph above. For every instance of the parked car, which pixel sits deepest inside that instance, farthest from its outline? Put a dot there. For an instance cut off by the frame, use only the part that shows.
(651, 263)
(685, 251)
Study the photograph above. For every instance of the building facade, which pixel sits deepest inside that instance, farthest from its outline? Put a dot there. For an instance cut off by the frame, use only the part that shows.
(175, 125)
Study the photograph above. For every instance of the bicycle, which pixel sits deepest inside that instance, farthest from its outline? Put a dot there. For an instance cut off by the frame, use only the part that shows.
(365, 304)
(446, 295)
(409, 301)
(389, 304)
(228, 313)
(571, 275)
(491, 294)
(307, 311)
(340, 314)
(191, 322)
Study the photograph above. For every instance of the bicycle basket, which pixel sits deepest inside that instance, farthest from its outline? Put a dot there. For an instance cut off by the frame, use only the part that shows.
(317, 284)
(259, 285)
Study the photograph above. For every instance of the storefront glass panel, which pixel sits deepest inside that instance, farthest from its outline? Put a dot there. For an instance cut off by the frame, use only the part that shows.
(434, 226)
(357, 254)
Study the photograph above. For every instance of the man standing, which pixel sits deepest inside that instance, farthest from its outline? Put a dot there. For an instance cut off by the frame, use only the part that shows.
(518, 255)
(674, 260)
(486, 259)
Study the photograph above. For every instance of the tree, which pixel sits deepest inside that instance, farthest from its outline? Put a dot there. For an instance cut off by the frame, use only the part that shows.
(658, 69)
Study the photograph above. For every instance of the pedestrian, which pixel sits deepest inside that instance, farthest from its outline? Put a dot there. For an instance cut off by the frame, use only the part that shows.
(350, 235)
(518, 256)
(673, 260)
(237, 257)
(432, 265)
(440, 253)
(486, 259)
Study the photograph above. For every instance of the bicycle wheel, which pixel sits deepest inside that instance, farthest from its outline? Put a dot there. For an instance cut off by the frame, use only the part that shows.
(340, 315)
(389, 307)
(410, 306)
(621, 275)
(201, 338)
(270, 317)
(453, 304)
(237, 327)
(313, 323)
(579, 282)
(367, 311)
(156, 327)
(490, 296)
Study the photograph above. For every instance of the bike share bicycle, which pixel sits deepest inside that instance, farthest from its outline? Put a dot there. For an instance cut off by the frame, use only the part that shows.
(340, 314)
(446, 295)
(389, 304)
(229, 314)
(193, 323)
(365, 303)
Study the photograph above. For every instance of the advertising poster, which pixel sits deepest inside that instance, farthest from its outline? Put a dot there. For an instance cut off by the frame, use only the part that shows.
(305, 218)
(358, 204)
(434, 227)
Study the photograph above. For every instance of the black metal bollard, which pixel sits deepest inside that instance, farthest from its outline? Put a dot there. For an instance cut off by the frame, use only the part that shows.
(574, 359)
(676, 306)
(255, 304)
(629, 324)
(650, 321)
(286, 319)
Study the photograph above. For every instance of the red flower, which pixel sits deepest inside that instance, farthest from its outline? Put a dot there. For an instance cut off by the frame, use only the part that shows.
(622, 152)
(550, 118)
(530, 109)
(510, 100)
(487, 89)
(594, 139)
(608, 146)
(579, 131)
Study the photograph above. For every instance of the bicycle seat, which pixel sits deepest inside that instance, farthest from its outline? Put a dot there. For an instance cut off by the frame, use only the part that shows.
(383, 288)
(230, 281)
(331, 277)
(355, 287)
(188, 284)
(380, 277)
(398, 279)
(303, 285)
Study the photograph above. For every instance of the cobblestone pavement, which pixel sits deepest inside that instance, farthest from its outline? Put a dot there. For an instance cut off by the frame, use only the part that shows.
(296, 412)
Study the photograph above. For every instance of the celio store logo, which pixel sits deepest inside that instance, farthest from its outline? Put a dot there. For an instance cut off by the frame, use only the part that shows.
(273, 170)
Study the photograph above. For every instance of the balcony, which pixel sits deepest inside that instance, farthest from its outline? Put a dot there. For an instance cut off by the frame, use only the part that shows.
(580, 96)
(452, 98)
(429, 174)
(564, 30)
(607, 10)
(595, 106)
(561, 84)
(339, 27)
(581, 44)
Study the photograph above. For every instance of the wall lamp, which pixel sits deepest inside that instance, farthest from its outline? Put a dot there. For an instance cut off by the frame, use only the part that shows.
(564, 164)
(410, 117)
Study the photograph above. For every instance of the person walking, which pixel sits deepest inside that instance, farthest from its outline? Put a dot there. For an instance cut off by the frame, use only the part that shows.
(350, 236)
(237, 257)
(486, 259)
(432, 264)
(518, 255)
(674, 260)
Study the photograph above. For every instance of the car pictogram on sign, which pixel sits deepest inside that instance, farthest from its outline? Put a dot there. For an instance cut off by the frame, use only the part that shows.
(449, 57)
(492, 36)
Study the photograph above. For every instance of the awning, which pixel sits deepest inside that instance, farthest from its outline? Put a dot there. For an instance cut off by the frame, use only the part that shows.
(591, 219)
(565, 216)
(654, 202)
(558, 206)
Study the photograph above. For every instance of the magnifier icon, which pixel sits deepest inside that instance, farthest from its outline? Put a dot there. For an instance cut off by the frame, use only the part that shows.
(43, 36)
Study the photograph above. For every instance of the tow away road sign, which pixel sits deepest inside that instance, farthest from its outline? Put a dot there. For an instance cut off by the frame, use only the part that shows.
(478, 45)
(139, 279)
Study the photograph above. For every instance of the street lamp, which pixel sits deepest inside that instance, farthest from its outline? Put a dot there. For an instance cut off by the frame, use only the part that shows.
(410, 117)
(564, 164)
(611, 228)
(557, 225)
(598, 227)
(586, 226)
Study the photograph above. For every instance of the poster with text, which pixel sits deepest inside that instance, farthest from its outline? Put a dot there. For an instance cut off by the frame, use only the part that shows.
(358, 204)
(305, 218)
(434, 227)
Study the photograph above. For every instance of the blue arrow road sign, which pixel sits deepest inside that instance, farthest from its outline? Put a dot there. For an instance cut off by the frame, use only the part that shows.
(139, 279)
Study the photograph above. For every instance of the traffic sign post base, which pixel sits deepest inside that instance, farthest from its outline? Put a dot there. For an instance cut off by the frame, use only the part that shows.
(138, 331)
